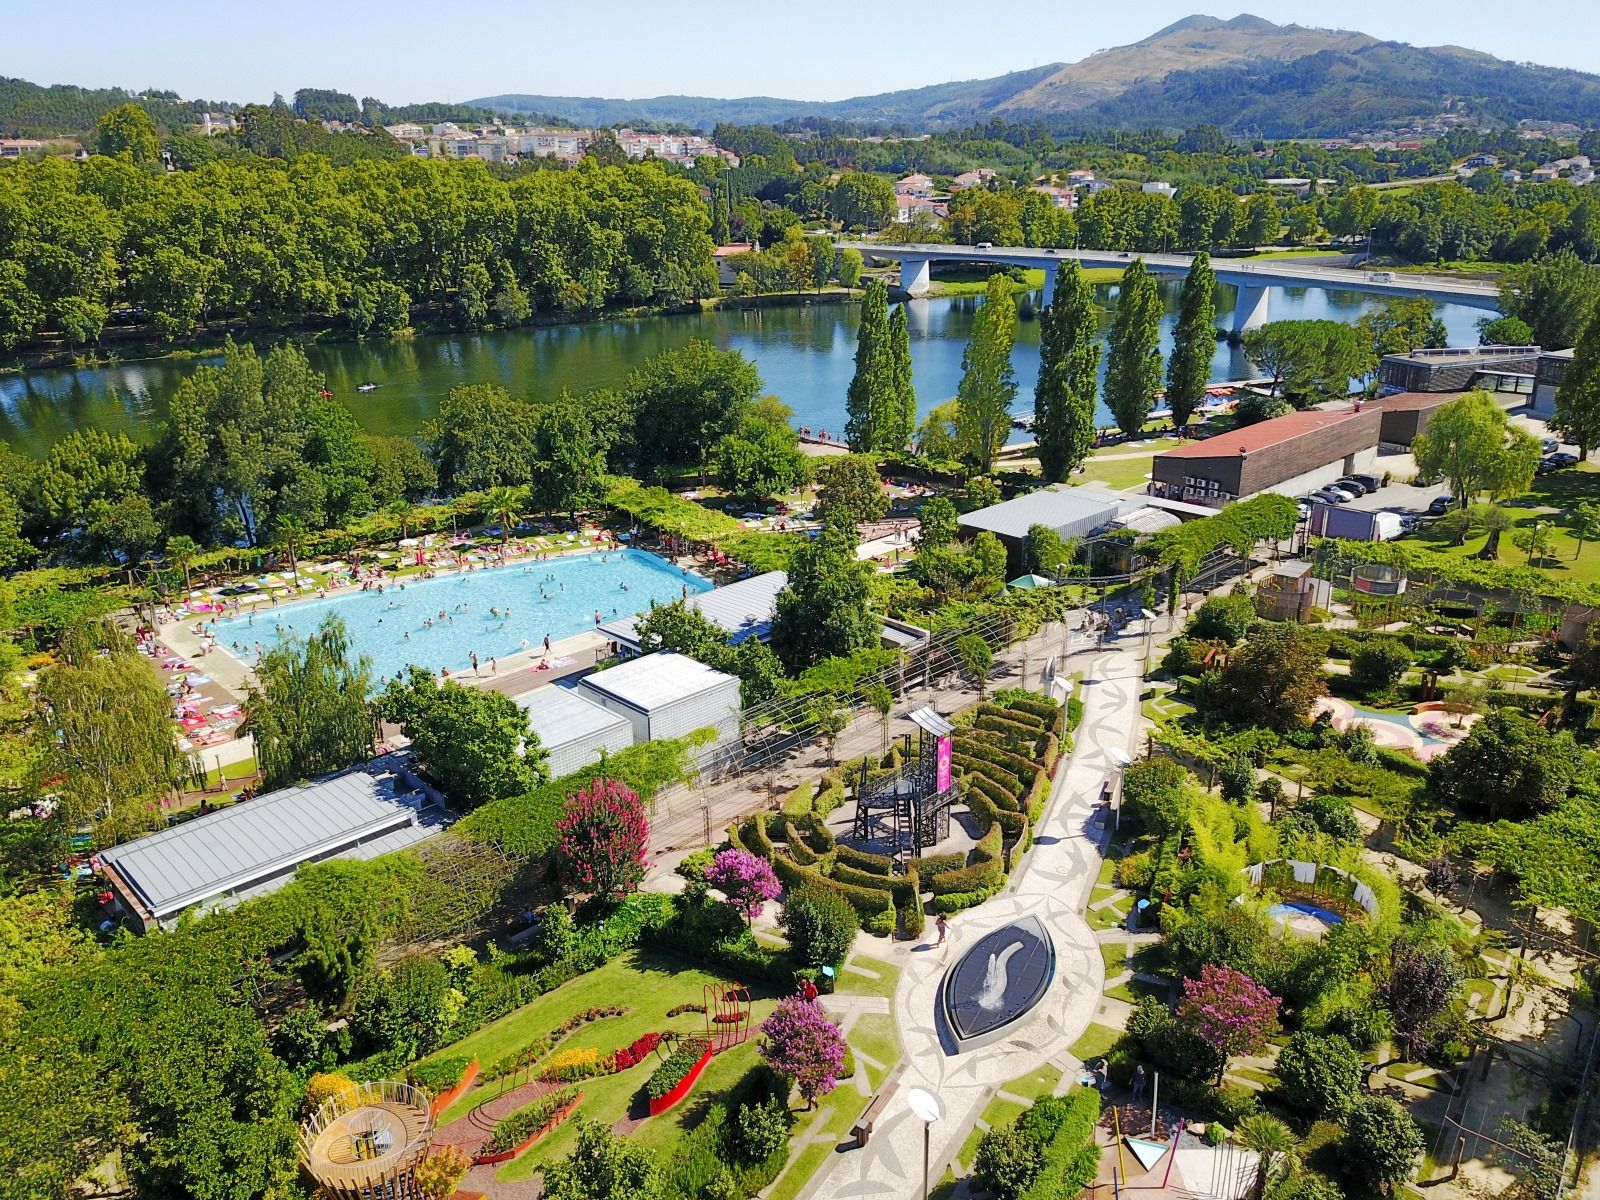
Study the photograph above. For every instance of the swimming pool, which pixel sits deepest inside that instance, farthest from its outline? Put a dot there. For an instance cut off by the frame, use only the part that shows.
(1290, 909)
(494, 613)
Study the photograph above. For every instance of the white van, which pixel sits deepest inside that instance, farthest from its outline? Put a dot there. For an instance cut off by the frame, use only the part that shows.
(1381, 276)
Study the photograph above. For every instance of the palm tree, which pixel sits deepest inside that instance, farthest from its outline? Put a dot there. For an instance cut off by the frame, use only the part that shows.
(400, 511)
(290, 531)
(503, 505)
(1275, 1148)
(181, 551)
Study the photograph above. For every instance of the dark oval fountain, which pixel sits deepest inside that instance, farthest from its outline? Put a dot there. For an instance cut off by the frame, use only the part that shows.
(996, 983)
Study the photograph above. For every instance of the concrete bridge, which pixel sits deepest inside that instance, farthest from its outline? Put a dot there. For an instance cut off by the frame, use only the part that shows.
(1253, 277)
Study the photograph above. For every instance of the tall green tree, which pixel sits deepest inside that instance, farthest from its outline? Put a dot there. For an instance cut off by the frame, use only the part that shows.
(988, 383)
(762, 458)
(900, 407)
(475, 742)
(683, 400)
(1133, 367)
(1402, 324)
(1313, 360)
(128, 130)
(1069, 365)
(1194, 342)
(1472, 445)
(1577, 415)
(307, 711)
(1554, 295)
(107, 733)
(867, 400)
(849, 491)
(824, 610)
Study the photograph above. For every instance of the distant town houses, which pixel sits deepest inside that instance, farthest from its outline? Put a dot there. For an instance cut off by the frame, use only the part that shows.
(510, 144)
(920, 186)
(911, 209)
(17, 147)
(1159, 187)
(1060, 197)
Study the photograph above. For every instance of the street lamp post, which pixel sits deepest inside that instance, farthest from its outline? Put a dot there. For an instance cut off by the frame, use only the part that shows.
(925, 1107)
(1123, 760)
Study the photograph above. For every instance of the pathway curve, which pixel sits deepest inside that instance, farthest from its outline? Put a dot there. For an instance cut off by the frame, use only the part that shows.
(1052, 883)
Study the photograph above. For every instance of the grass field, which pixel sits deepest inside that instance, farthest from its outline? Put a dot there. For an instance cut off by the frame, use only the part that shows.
(1546, 502)
(1095, 1042)
(964, 286)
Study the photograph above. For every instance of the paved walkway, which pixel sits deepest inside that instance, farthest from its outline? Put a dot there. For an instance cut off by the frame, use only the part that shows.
(469, 1133)
(1052, 882)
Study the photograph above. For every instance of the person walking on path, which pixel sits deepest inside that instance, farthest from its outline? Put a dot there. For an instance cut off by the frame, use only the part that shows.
(1138, 1083)
(942, 924)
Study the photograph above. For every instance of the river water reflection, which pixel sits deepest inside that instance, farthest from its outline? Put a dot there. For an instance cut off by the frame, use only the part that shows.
(805, 354)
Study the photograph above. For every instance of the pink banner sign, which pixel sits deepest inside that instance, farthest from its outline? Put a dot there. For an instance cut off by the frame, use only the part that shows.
(941, 780)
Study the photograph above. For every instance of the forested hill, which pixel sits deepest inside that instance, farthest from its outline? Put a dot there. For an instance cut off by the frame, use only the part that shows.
(1244, 75)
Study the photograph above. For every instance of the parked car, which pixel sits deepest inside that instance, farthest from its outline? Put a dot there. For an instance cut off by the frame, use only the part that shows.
(1550, 445)
(1564, 459)
(1371, 482)
(1352, 485)
(1545, 466)
(984, 246)
(1440, 506)
(1339, 494)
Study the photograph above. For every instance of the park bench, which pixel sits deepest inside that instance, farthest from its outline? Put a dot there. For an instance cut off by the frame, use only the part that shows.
(875, 1110)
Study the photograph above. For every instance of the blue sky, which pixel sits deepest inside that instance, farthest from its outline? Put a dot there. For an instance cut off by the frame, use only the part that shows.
(408, 50)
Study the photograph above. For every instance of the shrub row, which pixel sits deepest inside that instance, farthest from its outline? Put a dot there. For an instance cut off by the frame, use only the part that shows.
(441, 1074)
(1071, 1157)
(873, 864)
(1016, 765)
(974, 775)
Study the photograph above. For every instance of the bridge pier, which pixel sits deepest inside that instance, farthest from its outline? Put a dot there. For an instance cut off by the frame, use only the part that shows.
(1250, 310)
(1051, 270)
(915, 276)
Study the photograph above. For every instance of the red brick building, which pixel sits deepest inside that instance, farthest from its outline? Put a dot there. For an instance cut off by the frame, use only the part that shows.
(1291, 455)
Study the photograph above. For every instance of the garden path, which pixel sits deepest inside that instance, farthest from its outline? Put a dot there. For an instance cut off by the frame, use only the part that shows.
(1053, 883)
(469, 1133)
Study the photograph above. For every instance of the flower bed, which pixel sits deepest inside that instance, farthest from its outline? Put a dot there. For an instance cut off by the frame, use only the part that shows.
(513, 1134)
(675, 1077)
(631, 1056)
(447, 1078)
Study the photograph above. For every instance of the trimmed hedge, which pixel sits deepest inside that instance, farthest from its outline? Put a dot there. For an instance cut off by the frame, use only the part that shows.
(1071, 1157)
(901, 887)
(873, 864)
(441, 1074)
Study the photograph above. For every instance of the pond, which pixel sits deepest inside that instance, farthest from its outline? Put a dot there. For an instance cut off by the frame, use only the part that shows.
(806, 355)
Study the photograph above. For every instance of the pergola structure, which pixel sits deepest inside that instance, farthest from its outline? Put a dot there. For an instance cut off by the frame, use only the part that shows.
(911, 808)
(365, 1144)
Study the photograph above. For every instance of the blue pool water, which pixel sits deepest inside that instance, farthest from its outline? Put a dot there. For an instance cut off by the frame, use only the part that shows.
(389, 625)
(1282, 912)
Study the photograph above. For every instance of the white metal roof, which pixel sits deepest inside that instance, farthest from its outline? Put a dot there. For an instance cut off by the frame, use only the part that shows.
(742, 610)
(656, 680)
(246, 845)
(560, 715)
(1055, 507)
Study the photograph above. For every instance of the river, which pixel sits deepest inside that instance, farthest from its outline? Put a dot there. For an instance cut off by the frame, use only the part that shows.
(805, 354)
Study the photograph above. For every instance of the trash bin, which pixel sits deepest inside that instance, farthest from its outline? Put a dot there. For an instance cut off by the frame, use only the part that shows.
(825, 984)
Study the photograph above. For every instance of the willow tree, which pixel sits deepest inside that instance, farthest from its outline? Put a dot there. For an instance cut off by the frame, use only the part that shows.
(1069, 364)
(1193, 342)
(1133, 368)
(308, 712)
(107, 732)
(988, 384)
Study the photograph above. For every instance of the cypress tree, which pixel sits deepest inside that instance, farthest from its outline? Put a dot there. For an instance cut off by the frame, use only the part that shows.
(719, 216)
(900, 411)
(1069, 360)
(1194, 342)
(1133, 368)
(865, 401)
(988, 384)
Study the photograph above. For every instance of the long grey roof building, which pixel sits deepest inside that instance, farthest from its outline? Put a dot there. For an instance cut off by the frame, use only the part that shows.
(255, 847)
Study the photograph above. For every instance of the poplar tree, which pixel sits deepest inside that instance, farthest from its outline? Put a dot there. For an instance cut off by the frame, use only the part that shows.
(988, 384)
(1069, 362)
(869, 387)
(900, 412)
(1133, 368)
(1194, 342)
(1577, 415)
(308, 715)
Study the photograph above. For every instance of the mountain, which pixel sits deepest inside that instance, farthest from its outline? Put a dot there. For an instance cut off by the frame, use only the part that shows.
(1245, 75)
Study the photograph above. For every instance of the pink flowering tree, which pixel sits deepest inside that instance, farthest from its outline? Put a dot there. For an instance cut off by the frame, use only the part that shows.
(746, 880)
(602, 835)
(1231, 1013)
(800, 1041)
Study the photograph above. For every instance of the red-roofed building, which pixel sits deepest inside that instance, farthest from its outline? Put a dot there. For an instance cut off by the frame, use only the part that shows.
(1292, 455)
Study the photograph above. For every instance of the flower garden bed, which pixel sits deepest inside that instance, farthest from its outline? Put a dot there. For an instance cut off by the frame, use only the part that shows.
(515, 1133)
(447, 1078)
(675, 1078)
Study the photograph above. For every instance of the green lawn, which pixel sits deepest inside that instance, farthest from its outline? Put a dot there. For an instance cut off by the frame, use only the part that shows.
(1135, 990)
(875, 1035)
(1111, 915)
(1095, 1042)
(883, 981)
(1116, 956)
